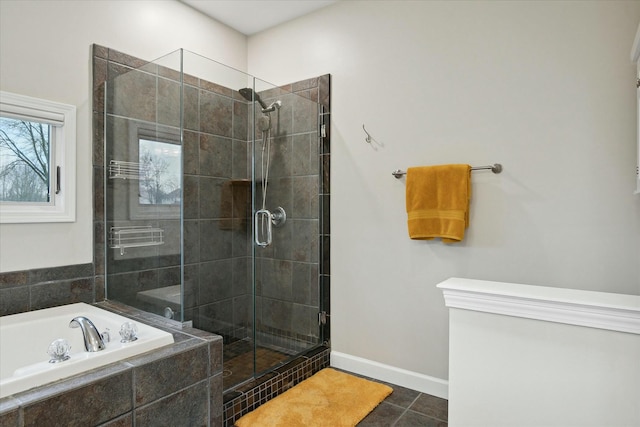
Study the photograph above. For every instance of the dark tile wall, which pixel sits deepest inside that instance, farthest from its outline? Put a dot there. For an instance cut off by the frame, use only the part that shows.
(180, 384)
(289, 274)
(28, 290)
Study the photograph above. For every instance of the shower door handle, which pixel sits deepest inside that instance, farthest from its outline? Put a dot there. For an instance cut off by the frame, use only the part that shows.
(263, 216)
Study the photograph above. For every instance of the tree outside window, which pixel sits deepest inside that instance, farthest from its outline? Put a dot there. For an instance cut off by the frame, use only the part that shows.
(24, 161)
(159, 173)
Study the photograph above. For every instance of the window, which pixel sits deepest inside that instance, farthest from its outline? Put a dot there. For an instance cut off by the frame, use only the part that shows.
(37, 160)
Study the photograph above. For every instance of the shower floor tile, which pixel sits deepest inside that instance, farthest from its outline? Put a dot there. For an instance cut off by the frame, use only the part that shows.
(238, 361)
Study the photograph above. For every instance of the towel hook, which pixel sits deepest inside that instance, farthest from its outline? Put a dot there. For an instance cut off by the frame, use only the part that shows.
(368, 138)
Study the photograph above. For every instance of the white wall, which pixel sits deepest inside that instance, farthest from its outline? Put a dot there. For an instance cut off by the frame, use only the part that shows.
(545, 88)
(45, 51)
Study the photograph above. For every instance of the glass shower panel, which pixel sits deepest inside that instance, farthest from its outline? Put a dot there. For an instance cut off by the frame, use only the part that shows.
(143, 186)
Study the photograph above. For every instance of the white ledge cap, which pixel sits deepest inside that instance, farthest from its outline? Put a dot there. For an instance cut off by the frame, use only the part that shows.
(602, 310)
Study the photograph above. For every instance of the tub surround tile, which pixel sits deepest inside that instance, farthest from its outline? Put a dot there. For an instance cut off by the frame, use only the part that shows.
(170, 374)
(27, 290)
(14, 300)
(60, 273)
(190, 370)
(9, 412)
(51, 294)
(186, 407)
(15, 278)
(81, 407)
(123, 421)
(215, 392)
(10, 419)
(118, 370)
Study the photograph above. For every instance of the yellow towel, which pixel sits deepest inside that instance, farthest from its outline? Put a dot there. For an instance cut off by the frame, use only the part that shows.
(438, 202)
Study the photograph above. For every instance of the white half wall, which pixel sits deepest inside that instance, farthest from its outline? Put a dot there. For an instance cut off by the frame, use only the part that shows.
(45, 52)
(545, 88)
(538, 356)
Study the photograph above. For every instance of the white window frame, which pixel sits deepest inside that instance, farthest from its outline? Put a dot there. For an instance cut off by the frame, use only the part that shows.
(62, 118)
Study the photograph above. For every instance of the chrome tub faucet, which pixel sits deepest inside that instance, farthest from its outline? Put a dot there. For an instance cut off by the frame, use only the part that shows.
(92, 339)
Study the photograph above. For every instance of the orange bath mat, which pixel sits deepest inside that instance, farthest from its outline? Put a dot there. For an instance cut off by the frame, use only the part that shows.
(328, 399)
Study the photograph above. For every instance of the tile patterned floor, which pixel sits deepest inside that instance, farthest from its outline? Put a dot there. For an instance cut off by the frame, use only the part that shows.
(402, 408)
(238, 361)
(407, 408)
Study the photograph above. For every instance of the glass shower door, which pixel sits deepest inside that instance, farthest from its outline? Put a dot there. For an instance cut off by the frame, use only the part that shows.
(287, 180)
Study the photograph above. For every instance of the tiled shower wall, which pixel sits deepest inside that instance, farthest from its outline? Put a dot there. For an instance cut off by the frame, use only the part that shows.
(288, 272)
(217, 243)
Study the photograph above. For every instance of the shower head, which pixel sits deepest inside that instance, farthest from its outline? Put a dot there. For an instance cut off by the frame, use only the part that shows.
(248, 94)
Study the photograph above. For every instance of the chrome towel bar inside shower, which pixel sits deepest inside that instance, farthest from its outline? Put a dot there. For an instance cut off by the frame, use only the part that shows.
(495, 168)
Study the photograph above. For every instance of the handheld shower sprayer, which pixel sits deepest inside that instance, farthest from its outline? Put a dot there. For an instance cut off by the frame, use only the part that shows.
(263, 218)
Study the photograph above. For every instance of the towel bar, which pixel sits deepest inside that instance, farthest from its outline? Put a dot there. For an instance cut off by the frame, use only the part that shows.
(495, 168)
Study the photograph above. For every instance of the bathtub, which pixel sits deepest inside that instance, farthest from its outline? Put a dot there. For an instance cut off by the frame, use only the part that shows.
(25, 338)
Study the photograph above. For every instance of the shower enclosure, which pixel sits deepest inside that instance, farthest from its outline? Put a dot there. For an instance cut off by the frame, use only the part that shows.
(213, 213)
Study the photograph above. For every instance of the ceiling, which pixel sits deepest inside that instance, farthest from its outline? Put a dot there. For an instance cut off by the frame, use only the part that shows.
(252, 16)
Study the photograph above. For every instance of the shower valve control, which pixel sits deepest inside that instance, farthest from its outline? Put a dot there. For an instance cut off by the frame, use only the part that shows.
(278, 217)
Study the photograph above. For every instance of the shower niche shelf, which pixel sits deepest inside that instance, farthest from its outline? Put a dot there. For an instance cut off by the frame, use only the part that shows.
(135, 237)
(124, 170)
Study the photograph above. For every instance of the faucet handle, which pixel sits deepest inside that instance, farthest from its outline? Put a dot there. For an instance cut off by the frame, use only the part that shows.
(106, 335)
(59, 350)
(128, 332)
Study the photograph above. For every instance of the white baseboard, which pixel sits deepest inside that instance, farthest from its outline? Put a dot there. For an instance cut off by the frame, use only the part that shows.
(379, 371)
